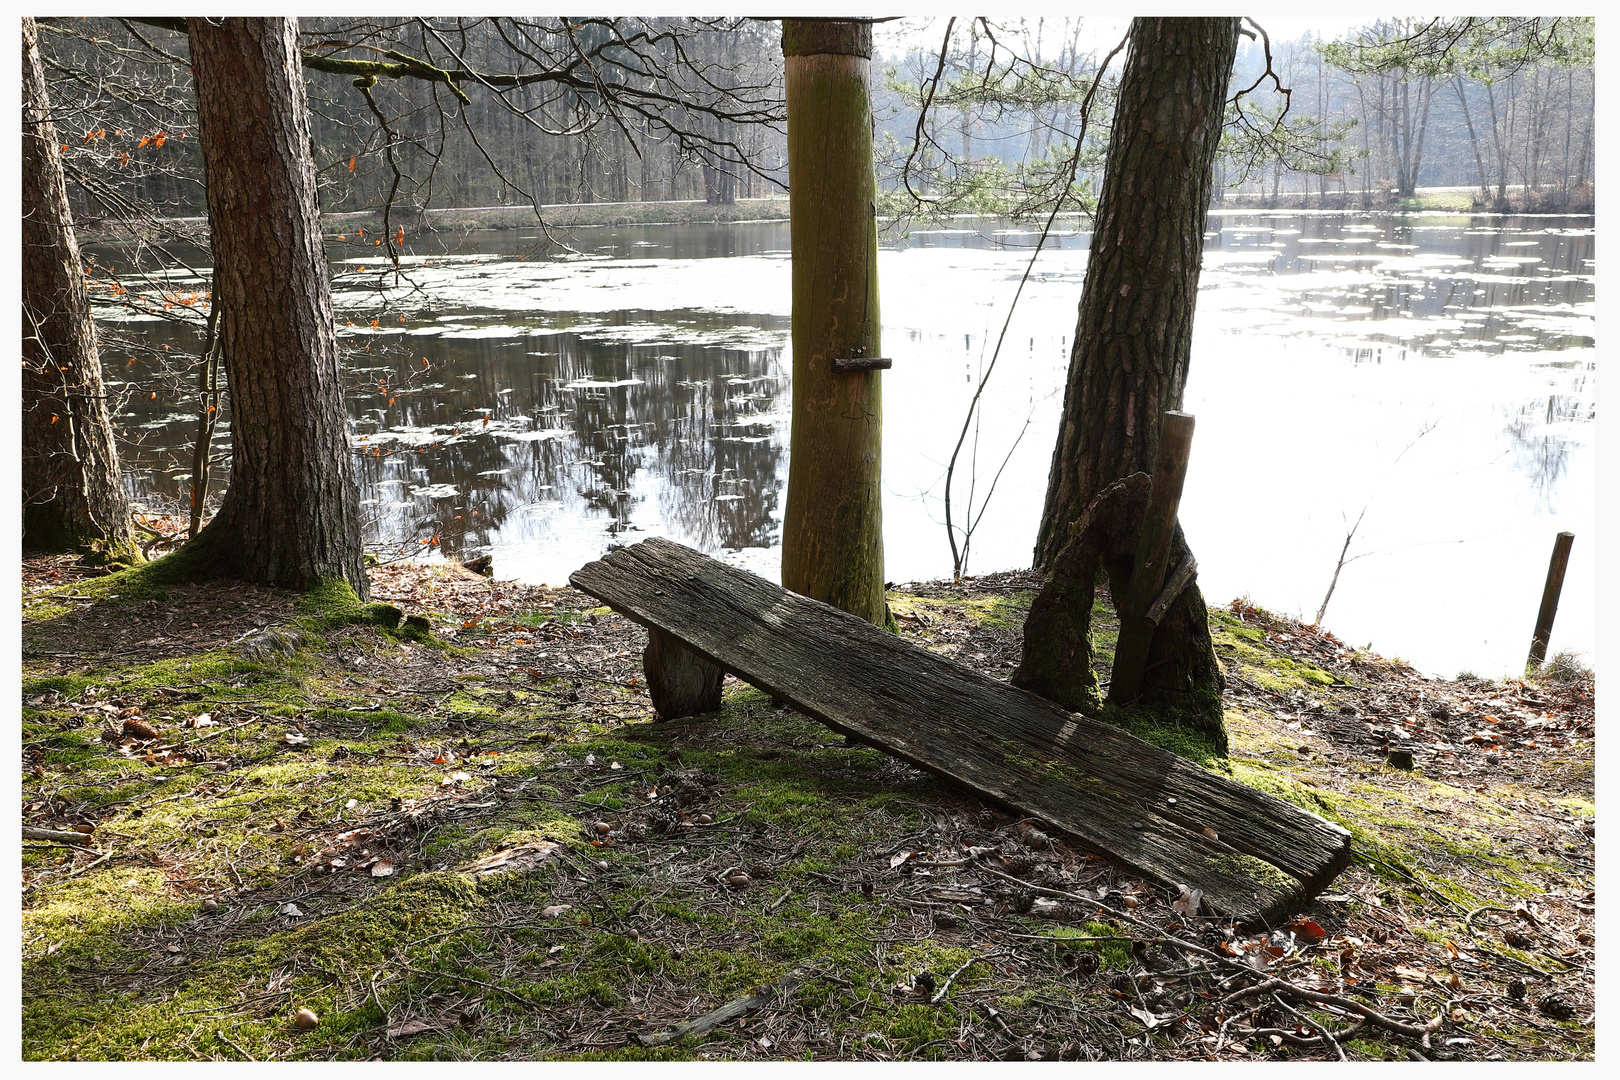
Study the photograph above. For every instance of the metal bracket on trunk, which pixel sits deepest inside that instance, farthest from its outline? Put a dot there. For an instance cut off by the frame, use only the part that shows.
(863, 363)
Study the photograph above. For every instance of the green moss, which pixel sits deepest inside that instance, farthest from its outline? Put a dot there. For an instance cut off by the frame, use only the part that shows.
(1245, 646)
(1257, 870)
(1167, 730)
(913, 1026)
(69, 686)
(1110, 954)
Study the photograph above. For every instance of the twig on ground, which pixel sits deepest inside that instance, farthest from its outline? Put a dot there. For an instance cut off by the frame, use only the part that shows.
(222, 1037)
(729, 1011)
(463, 978)
(939, 995)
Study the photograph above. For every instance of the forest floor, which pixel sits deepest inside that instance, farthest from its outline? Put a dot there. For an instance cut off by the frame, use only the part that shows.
(478, 844)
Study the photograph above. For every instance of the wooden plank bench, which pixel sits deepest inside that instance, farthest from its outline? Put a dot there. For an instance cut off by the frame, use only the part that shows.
(1110, 791)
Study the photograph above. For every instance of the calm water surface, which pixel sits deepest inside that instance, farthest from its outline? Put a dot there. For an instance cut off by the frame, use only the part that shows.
(1432, 376)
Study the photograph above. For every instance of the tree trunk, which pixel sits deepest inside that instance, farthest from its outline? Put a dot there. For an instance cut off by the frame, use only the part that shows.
(832, 530)
(1182, 681)
(1496, 142)
(72, 489)
(1473, 139)
(1129, 366)
(1132, 344)
(1425, 99)
(290, 516)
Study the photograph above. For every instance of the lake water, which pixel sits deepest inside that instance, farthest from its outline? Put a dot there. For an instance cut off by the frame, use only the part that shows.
(1433, 376)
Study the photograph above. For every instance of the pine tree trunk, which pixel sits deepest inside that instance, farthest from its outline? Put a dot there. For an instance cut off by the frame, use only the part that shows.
(1182, 683)
(1132, 344)
(290, 516)
(72, 489)
(1129, 366)
(832, 530)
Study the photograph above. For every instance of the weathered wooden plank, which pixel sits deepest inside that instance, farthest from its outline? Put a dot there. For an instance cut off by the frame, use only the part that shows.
(1110, 791)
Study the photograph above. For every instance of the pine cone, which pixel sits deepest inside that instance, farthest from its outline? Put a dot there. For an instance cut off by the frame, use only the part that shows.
(1557, 1007)
(137, 728)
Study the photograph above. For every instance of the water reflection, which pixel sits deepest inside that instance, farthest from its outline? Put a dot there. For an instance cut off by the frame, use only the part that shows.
(1543, 434)
(567, 406)
(515, 446)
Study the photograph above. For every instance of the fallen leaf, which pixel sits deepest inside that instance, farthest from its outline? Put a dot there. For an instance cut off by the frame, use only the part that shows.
(382, 868)
(1189, 901)
(414, 1026)
(553, 911)
(1149, 1020)
(291, 910)
(899, 857)
(1308, 931)
(1211, 834)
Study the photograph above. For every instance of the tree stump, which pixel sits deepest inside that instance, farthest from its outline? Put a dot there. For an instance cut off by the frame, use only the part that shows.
(681, 682)
(1183, 680)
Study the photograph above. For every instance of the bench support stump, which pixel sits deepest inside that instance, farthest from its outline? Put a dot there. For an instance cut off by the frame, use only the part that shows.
(680, 682)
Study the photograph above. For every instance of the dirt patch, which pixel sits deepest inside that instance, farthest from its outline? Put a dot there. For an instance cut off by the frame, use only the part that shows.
(187, 619)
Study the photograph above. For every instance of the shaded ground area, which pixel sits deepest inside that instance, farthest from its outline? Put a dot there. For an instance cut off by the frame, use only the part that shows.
(479, 845)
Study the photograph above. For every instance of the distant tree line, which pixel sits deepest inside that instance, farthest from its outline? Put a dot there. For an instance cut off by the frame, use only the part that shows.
(1505, 106)
(442, 112)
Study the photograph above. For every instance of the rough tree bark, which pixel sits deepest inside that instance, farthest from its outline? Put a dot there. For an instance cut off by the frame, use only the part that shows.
(1129, 366)
(72, 489)
(832, 530)
(1182, 681)
(290, 516)
(1134, 338)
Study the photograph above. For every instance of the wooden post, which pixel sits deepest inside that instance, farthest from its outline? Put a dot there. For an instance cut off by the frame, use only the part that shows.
(832, 523)
(1549, 599)
(680, 682)
(1152, 552)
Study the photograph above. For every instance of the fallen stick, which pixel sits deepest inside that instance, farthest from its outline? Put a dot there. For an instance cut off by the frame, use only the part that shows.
(730, 1011)
(937, 998)
(1414, 1031)
(56, 836)
(464, 979)
(224, 1039)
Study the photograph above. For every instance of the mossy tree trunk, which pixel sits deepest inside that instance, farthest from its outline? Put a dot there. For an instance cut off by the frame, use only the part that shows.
(72, 488)
(832, 530)
(1134, 337)
(1182, 682)
(291, 514)
(1129, 366)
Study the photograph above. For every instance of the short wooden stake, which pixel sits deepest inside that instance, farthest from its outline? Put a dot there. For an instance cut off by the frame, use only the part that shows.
(1549, 600)
(1152, 552)
(679, 681)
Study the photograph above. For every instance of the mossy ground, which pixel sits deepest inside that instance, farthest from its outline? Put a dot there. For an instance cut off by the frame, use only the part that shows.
(313, 845)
